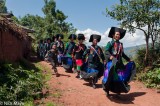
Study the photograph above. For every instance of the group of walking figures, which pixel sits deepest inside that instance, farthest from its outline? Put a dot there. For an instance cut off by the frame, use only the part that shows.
(91, 63)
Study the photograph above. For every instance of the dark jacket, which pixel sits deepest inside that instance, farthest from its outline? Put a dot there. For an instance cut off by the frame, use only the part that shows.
(60, 47)
(115, 48)
(69, 48)
(79, 50)
(52, 55)
(94, 59)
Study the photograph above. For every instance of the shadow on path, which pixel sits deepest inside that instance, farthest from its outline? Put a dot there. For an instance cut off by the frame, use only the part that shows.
(62, 75)
(125, 98)
(97, 85)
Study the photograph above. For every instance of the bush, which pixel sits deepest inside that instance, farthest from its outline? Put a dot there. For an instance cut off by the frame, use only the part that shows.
(151, 78)
(153, 58)
(151, 75)
(19, 84)
(139, 59)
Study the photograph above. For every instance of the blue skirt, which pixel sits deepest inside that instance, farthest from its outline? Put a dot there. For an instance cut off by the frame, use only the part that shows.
(116, 80)
(67, 62)
(88, 72)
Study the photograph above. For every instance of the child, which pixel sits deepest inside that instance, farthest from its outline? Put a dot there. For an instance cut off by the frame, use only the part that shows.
(78, 52)
(60, 48)
(51, 56)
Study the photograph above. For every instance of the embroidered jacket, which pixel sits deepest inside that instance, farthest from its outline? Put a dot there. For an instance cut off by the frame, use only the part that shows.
(115, 48)
(95, 55)
(79, 50)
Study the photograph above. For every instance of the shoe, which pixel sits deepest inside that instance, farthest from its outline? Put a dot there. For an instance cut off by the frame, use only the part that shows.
(60, 64)
(57, 75)
(94, 86)
(74, 71)
(77, 76)
(80, 77)
(90, 82)
(107, 93)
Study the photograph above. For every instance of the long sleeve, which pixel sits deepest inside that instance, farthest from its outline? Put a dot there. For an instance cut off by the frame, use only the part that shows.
(66, 48)
(108, 50)
(125, 56)
(75, 49)
(63, 47)
(102, 54)
(85, 53)
(85, 47)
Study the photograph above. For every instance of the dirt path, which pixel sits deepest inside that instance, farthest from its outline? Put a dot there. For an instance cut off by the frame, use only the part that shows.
(67, 90)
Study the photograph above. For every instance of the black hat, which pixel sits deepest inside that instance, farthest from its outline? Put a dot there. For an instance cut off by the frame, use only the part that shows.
(72, 36)
(41, 41)
(53, 37)
(115, 29)
(81, 37)
(48, 39)
(59, 35)
(94, 36)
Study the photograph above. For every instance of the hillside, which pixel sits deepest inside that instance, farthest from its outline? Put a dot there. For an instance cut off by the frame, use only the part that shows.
(131, 51)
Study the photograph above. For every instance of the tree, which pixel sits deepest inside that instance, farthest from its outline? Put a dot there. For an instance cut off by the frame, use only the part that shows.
(137, 14)
(55, 19)
(34, 22)
(52, 23)
(3, 8)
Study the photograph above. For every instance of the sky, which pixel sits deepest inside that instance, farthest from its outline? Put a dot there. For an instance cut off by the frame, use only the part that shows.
(87, 16)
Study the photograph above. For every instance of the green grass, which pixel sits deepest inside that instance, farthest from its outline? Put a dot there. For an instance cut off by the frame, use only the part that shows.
(57, 95)
(47, 71)
(47, 76)
(51, 104)
(29, 103)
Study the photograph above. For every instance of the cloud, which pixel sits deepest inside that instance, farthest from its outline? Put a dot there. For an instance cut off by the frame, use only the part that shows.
(129, 40)
(134, 39)
(88, 32)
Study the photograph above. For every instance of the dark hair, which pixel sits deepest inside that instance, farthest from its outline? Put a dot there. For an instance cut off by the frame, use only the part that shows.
(41, 41)
(53, 38)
